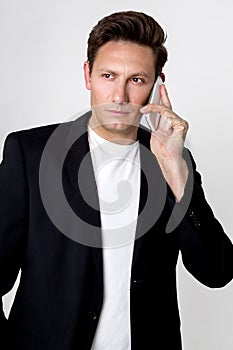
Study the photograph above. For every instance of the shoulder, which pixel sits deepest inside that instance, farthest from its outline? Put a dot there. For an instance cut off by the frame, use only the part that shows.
(27, 142)
(41, 134)
(31, 142)
(33, 134)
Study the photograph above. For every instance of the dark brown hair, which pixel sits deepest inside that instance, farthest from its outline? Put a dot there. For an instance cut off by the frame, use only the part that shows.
(130, 26)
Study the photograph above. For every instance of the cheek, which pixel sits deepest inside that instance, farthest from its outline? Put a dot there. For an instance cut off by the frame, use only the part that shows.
(139, 96)
(139, 99)
(100, 94)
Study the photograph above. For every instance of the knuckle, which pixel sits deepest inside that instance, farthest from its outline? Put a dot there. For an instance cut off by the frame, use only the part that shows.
(165, 111)
(185, 125)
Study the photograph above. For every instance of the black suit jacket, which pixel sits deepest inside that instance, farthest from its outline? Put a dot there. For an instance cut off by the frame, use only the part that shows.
(60, 295)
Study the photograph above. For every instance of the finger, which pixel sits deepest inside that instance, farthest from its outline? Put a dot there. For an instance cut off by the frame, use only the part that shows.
(177, 124)
(171, 121)
(165, 125)
(152, 108)
(164, 97)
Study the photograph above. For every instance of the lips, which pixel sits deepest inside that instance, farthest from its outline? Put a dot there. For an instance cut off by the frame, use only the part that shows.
(117, 112)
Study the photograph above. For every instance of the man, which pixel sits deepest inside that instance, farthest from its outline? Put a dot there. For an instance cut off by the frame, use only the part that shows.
(97, 234)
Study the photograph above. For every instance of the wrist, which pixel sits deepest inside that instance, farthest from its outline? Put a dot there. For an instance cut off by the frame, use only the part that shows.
(175, 172)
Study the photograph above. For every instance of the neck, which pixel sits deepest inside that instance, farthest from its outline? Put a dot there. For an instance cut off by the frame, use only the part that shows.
(124, 137)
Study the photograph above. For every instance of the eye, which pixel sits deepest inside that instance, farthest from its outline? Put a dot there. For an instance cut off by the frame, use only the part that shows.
(107, 75)
(138, 80)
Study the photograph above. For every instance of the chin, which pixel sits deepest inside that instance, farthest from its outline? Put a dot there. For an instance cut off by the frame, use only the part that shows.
(119, 127)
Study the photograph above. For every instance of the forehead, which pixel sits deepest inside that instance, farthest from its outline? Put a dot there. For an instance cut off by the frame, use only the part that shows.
(125, 54)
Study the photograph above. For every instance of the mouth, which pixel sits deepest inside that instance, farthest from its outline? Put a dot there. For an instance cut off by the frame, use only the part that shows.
(117, 112)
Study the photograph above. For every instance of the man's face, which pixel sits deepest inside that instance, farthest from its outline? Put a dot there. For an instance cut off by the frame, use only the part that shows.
(120, 82)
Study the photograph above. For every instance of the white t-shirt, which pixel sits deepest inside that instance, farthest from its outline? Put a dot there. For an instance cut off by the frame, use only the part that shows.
(117, 173)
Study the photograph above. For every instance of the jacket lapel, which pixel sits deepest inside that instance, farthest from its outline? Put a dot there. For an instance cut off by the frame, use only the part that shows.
(153, 191)
(81, 191)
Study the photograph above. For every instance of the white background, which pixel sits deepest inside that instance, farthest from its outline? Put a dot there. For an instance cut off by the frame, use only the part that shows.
(43, 46)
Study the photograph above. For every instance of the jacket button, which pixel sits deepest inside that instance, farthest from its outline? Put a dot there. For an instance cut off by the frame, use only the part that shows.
(135, 284)
(191, 213)
(137, 281)
(197, 224)
(92, 315)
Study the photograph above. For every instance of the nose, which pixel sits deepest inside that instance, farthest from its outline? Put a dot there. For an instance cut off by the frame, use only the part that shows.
(120, 94)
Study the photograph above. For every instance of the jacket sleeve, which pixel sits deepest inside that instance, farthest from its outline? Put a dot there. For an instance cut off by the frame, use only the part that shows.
(207, 252)
(13, 218)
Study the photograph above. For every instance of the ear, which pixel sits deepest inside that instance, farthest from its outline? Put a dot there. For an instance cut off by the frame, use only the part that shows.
(87, 75)
(162, 75)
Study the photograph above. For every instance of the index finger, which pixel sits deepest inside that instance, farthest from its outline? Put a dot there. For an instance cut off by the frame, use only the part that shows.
(164, 97)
